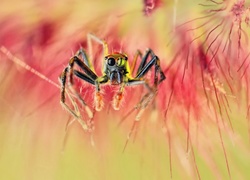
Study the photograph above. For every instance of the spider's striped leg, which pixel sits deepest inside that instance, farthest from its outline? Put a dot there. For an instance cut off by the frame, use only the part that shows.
(89, 77)
(132, 67)
(145, 67)
(99, 41)
(82, 55)
(140, 106)
(152, 91)
(96, 81)
(62, 80)
(98, 99)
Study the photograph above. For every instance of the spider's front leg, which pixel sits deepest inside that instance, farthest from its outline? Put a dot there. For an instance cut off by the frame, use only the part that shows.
(98, 98)
(143, 69)
(139, 79)
(69, 72)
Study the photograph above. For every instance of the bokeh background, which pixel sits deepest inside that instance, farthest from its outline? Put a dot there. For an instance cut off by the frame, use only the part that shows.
(198, 125)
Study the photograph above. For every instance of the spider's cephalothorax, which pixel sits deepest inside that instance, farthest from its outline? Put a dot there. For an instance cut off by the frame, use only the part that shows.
(117, 71)
(116, 68)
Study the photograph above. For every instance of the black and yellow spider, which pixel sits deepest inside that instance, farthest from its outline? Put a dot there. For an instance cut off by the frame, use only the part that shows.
(117, 72)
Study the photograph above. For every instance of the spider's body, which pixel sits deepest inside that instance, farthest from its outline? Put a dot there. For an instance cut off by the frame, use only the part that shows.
(116, 71)
(116, 68)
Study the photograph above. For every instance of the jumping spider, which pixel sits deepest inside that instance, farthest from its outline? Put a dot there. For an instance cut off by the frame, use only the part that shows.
(117, 72)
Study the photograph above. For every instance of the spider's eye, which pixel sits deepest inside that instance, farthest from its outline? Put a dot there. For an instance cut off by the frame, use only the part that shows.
(111, 61)
(119, 61)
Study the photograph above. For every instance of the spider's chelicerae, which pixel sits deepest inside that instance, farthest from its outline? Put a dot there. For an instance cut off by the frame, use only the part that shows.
(117, 72)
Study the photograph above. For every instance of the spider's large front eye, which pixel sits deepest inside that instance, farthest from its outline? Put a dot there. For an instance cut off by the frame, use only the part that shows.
(111, 61)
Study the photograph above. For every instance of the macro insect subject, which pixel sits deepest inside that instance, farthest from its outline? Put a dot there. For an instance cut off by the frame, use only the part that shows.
(116, 72)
